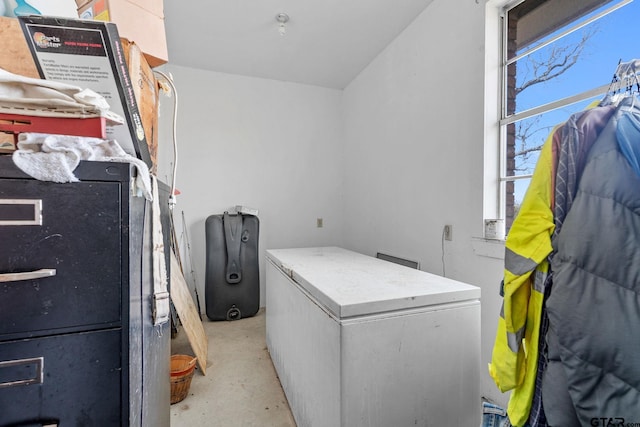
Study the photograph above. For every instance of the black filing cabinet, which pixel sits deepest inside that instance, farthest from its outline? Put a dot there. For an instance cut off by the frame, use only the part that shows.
(77, 343)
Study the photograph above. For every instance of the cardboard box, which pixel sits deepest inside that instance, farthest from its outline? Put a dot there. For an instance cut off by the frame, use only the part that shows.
(19, 60)
(145, 88)
(89, 54)
(141, 21)
(16, 57)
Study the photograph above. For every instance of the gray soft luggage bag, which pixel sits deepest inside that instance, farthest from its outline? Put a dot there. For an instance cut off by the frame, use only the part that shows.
(232, 285)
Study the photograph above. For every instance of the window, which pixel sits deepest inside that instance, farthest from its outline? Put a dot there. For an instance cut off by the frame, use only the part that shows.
(559, 56)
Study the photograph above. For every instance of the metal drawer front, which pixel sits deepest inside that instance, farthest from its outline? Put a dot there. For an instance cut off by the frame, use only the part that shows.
(78, 243)
(80, 381)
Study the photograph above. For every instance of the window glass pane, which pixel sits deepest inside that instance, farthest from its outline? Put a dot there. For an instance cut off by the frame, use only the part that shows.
(580, 61)
(531, 133)
(539, 21)
(520, 188)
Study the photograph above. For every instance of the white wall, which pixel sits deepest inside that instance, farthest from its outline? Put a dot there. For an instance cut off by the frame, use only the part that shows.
(265, 144)
(387, 162)
(414, 148)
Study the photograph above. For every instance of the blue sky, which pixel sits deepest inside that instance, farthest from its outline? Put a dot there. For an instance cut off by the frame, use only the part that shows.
(615, 38)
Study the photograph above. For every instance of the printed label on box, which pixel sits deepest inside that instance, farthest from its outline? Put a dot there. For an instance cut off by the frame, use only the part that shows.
(89, 54)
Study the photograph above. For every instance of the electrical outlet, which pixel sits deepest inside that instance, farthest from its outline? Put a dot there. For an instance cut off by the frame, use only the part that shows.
(448, 232)
(319, 222)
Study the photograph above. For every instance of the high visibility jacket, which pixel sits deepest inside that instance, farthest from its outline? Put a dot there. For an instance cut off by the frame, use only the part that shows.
(515, 353)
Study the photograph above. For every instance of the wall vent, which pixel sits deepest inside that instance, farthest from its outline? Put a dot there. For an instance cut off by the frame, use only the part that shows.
(401, 261)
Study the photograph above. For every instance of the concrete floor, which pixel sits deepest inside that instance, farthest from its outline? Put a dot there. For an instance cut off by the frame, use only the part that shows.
(241, 388)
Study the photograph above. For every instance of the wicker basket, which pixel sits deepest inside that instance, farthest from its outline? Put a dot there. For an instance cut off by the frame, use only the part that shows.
(182, 369)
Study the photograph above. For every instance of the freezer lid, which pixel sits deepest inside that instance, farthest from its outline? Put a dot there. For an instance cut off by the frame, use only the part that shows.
(351, 284)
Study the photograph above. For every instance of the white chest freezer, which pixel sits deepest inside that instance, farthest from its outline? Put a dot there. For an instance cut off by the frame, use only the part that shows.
(358, 341)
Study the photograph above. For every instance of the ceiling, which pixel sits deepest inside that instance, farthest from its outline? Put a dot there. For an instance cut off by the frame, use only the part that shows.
(327, 42)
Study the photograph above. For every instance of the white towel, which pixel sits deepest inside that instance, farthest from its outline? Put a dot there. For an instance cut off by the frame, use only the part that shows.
(39, 97)
(49, 157)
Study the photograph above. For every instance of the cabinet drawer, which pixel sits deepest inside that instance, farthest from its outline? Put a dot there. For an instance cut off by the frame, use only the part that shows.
(79, 235)
(74, 380)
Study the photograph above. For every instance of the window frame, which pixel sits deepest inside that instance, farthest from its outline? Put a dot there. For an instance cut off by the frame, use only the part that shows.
(497, 14)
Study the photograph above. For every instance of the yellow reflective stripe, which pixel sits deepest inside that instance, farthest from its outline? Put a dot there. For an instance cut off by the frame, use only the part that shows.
(517, 264)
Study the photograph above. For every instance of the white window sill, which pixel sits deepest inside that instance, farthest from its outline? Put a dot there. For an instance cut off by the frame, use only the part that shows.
(490, 248)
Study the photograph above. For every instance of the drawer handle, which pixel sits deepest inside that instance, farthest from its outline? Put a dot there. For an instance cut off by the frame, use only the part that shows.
(35, 423)
(36, 377)
(27, 275)
(20, 212)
